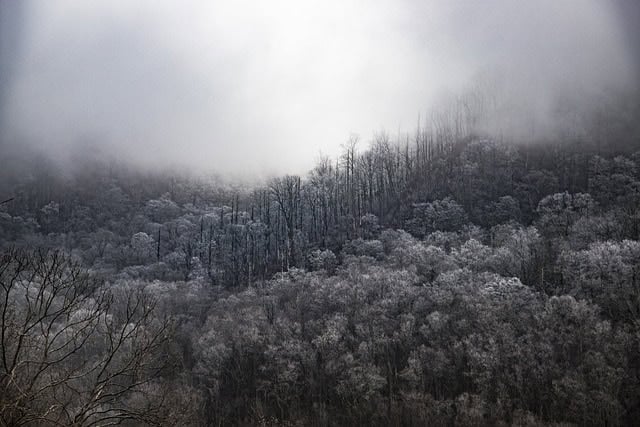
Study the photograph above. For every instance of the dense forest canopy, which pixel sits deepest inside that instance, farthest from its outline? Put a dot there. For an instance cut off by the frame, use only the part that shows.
(480, 269)
(440, 277)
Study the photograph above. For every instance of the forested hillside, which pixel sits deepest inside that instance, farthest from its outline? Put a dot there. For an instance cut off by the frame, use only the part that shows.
(316, 213)
(440, 278)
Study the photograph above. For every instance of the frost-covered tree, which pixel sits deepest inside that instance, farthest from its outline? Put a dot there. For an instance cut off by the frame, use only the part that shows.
(71, 352)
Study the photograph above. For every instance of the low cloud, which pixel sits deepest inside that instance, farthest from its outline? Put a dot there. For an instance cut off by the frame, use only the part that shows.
(250, 86)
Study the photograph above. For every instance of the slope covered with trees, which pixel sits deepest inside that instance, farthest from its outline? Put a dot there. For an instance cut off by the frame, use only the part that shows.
(440, 278)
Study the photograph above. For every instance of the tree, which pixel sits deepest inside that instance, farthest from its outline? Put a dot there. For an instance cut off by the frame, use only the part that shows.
(607, 273)
(142, 246)
(72, 353)
(286, 192)
(559, 211)
(440, 215)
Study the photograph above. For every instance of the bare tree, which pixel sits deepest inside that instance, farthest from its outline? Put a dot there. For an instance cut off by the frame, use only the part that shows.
(286, 193)
(71, 352)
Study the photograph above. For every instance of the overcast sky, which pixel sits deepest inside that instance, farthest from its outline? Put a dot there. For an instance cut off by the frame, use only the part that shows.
(265, 86)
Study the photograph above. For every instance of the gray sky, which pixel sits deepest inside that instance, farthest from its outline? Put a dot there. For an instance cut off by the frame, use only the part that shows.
(265, 86)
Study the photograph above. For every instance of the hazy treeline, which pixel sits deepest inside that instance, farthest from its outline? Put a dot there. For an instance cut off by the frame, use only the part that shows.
(436, 278)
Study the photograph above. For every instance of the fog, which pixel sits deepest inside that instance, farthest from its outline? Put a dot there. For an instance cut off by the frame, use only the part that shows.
(264, 87)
